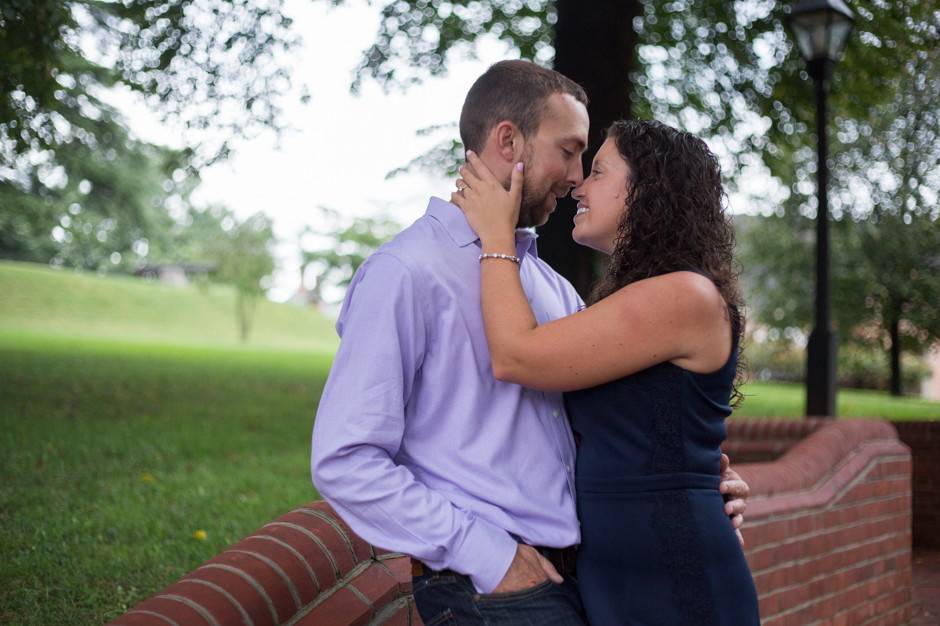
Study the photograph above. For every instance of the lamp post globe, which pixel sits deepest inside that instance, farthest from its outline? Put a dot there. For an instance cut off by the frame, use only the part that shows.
(821, 29)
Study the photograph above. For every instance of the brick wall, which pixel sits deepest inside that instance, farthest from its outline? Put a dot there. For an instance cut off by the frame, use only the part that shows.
(305, 568)
(828, 540)
(763, 440)
(923, 438)
(828, 528)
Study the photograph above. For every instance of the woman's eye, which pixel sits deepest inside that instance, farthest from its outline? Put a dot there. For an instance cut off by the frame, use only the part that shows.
(568, 153)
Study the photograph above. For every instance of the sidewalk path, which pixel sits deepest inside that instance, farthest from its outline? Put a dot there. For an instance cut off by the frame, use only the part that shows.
(926, 588)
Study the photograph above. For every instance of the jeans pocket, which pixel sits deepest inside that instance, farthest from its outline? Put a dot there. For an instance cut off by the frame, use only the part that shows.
(420, 583)
(444, 619)
(511, 596)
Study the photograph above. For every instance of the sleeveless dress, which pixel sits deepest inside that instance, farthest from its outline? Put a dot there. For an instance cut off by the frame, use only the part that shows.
(656, 545)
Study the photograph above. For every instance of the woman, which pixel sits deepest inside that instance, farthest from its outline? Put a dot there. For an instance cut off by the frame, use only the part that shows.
(650, 370)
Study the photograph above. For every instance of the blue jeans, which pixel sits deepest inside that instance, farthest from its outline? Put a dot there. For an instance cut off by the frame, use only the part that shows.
(447, 598)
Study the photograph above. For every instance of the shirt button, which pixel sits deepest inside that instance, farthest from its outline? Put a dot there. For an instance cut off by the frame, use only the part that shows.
(568, 468)
(555, 413)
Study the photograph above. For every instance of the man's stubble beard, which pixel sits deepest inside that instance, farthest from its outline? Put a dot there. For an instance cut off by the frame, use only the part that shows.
(531, 212)
(532, 209)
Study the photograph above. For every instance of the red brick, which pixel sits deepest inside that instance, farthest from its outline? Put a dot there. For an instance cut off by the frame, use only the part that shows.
(176, 611)
(343, 608)
(250, 599)
(267, 577)
(405, 615)
(377, 584)
(339, 547)
(220, 607)
(401, 570)
(295, 535)
(297, 569)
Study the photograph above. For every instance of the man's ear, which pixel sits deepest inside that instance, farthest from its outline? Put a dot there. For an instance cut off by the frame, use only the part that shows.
(509, 141)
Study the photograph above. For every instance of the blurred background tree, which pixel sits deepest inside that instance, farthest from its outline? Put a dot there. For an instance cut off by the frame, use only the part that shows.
(210, 64)
(77, 188)
(886, 236)
(94, 209)
(241, 255)
(338, 245)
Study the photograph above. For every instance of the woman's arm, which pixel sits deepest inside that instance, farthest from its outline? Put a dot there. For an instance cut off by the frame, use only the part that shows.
(677, 317)
(665, 318)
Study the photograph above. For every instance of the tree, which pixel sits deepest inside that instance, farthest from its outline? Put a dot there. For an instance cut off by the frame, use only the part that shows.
(94, 209)
(898, 245)
(75, 188)
(886, 235)
(242, 256)
(210, 64)
(336, 249)
(725, 70)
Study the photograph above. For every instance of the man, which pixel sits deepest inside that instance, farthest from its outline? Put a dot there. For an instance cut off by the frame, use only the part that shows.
(416, 445)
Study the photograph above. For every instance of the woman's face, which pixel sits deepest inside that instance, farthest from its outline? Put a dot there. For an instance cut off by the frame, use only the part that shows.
(601, 200)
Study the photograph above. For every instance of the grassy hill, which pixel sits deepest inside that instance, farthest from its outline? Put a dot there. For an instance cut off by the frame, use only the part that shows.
(38, 300)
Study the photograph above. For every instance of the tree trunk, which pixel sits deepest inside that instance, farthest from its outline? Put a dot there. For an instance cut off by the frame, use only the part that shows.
(245, 304)
(895, 330)
(596, 47)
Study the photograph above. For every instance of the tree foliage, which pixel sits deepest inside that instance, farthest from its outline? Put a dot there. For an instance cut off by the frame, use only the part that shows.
(76, 187)
(240, 252)
(335, 249)
(886, 257)
(94, 209)
(202, 64)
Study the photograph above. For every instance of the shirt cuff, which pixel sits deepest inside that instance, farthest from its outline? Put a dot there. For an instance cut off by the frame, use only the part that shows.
(485, 555)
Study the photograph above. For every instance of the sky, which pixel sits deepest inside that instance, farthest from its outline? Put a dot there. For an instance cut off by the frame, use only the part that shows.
(340, 146)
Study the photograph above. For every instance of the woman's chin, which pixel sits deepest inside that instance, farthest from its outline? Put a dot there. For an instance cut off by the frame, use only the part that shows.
(581, 238)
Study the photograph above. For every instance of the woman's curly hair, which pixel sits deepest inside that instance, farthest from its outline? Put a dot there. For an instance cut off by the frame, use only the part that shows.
(675, 217)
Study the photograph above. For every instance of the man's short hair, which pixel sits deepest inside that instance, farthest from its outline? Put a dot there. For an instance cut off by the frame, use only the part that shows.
(516, 91)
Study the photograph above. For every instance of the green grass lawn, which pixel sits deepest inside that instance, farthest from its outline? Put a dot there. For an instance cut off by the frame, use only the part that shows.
(788, 400)
(132, 420)
(113, 454)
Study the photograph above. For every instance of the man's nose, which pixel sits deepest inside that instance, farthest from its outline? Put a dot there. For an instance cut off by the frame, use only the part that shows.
(575, 175)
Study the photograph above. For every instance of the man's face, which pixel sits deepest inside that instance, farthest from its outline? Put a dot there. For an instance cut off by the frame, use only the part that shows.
(552, 158)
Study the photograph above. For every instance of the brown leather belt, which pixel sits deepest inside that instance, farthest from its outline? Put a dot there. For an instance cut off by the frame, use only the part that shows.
(564, 560)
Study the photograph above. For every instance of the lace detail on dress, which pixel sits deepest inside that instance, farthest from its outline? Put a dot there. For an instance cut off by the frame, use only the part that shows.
(683, 558)
(667, 454)
(673, 520)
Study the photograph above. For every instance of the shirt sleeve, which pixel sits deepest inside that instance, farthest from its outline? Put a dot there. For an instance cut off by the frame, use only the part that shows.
(360, 424)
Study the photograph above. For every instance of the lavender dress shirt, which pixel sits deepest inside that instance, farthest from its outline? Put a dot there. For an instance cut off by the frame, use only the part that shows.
(415, 444)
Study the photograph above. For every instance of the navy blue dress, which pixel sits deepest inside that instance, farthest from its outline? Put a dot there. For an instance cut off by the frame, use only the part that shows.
(657, 547)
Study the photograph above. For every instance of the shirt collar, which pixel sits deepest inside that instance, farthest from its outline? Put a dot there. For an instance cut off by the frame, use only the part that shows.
(452, 219)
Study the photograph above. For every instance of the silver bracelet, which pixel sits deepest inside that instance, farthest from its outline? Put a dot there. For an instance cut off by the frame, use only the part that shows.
(496, 255)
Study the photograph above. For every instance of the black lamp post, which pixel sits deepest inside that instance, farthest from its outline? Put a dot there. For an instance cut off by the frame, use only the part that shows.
(821, 28)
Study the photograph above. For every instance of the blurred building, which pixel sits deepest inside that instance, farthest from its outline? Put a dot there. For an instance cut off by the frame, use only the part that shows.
(931, 387)
(174, 274)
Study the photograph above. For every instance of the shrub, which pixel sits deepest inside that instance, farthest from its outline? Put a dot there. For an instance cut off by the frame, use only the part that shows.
(858, 367)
